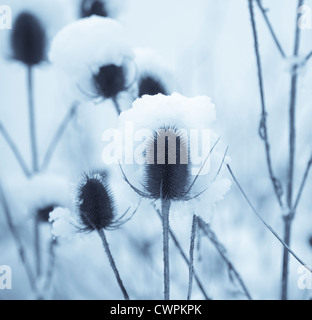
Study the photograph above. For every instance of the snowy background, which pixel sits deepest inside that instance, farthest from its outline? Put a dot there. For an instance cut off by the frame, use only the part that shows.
(203, 47)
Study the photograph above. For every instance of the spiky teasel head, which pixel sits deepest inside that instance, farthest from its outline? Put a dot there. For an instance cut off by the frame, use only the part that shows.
(28, 40)
(154, 75)
(93, 7)
(149, 84)
(167, 171)
(110, 81)
(95, 202)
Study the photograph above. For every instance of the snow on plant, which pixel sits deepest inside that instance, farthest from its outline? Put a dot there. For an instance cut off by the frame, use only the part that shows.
(63, 223)
(96, 55)
(166, 174)
(93, 7)
(28, 44)
(96, 211)
(102, 8)
(154, 75)
(188, 119)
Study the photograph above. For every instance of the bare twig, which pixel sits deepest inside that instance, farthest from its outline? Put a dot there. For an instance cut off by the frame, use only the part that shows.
(37, 245)
(302, 185)
(112, 263)
(58, 135)
(20, 247)
(291, 165)
(15, 150)
(222, 163)
(117, 106)
(265, 16)
(220, 248)
(263, 131)
(267, 225)
(191, 261)
(32, 118)
(165, 208)
(180, 249)
(51, 265)
(308, 57)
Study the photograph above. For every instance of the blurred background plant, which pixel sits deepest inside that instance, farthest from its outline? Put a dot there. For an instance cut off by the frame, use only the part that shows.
(198, 48)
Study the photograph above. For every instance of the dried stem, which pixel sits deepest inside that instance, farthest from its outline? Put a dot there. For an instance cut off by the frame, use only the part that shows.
(51, 265)
(112, 263)
(165, 208)
(20, 247)
(220, 248)
(286, 246)
(180, 249)
(273, 34)
(15, 151)
(308, 57)
(58, 135)
(32, 118)
(117, 106)
(34, 151)
(37, 245)
(263, 131)
(191, 261)
(292, 146)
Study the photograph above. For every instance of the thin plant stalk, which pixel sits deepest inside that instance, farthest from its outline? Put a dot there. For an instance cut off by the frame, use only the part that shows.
(286, 246)
(34, 152)
(117, 106)
(191, 262)
(273, 34)
(291, 165)
(19, 244)
(32, 119)
(15, 150)
(263, 130)
(183, 254)
(37, 245)
(58, 135)
(51, 265)
(112, 263)
(165, 208)
(222, 252)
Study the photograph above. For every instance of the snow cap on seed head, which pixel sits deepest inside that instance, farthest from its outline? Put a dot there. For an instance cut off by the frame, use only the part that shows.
(154, 74)
(182, 114)
(153, 112)
(83, 47)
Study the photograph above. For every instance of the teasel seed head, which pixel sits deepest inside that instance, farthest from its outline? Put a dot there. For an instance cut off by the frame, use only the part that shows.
(110, 81)
(95, 203)
(93, 7)
(151, 86)
(167, 171)
(28, 40)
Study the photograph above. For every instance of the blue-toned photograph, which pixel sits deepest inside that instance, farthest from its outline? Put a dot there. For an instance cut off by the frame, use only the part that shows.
(155, 150)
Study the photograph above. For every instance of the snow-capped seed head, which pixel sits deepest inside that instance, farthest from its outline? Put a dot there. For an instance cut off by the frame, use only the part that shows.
(151, 86)
(110, 80)
(28, 39)
(167, 172)
(83, 47)
(95, 203)
(93, 7)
